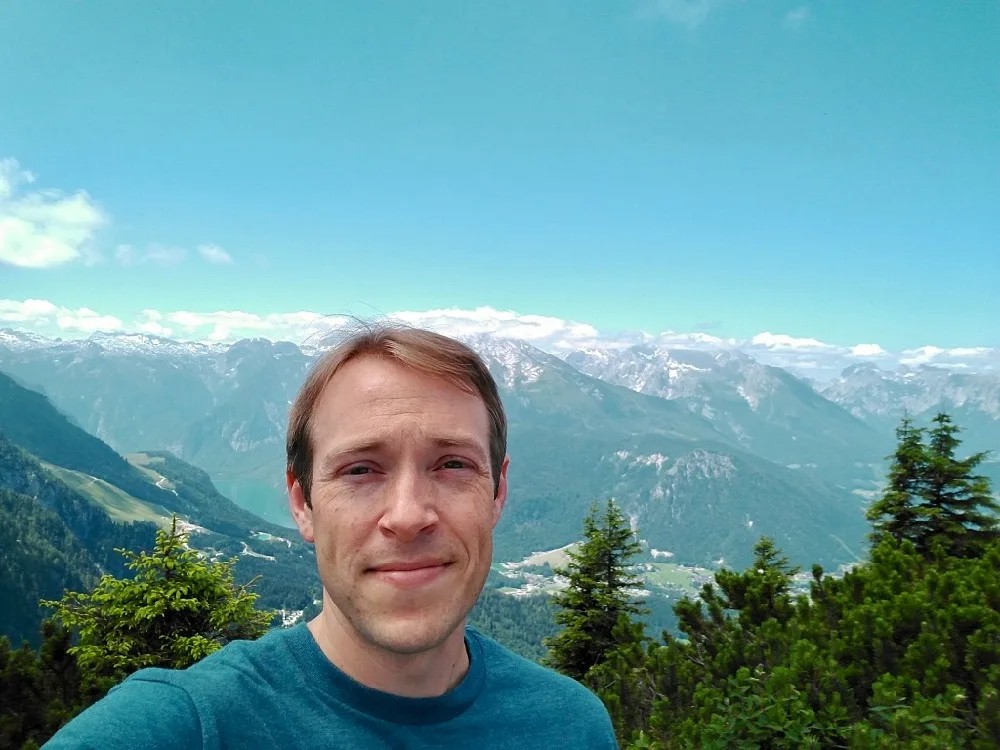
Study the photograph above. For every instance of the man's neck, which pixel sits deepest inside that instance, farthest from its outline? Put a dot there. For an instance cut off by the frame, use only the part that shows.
(422, 675)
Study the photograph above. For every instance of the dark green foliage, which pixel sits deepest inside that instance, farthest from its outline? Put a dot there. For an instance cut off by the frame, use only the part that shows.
(902, 651)
(39, 558)
(39, 691)
(521, 623)
(51, 538)
(761, 592)
(177, 609)
(599, 599)
(933, 498)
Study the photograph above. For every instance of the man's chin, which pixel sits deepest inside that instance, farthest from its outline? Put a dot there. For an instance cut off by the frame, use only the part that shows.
(409, 636)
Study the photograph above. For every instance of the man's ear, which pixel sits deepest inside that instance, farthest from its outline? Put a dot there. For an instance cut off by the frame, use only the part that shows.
(301, 510)
(501, 496)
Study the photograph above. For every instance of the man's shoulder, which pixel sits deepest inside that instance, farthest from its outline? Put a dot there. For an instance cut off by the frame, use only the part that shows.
(234, 663)
(141, 711)
(167, 708)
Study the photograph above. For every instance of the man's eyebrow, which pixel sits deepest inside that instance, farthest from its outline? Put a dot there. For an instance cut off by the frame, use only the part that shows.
(338, 454)
(466, 443)
(462, 442)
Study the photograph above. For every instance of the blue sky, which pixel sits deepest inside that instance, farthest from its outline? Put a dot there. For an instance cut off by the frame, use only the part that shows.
(825, 170)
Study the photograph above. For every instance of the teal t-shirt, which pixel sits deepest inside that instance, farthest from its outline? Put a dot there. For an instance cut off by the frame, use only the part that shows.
(282, 691)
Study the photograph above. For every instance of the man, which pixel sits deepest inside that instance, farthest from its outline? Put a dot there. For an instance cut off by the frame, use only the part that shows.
(397, 472)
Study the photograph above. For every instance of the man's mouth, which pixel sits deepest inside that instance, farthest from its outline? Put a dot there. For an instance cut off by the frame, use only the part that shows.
(409, 573)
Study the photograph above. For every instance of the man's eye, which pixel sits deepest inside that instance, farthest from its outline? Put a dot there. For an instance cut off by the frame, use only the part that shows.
(357, 471)
(455, 463)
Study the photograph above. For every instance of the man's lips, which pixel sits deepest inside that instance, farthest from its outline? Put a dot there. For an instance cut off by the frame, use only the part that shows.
(407, 565)
(409, 572)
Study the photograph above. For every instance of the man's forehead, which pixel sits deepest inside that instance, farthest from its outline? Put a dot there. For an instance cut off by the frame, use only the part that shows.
(368, 389)
(369, 377)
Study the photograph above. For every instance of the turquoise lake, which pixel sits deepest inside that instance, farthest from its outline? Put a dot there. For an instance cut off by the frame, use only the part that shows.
(261, 498)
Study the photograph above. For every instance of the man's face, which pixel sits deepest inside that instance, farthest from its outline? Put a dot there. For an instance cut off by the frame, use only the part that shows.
(403, 508)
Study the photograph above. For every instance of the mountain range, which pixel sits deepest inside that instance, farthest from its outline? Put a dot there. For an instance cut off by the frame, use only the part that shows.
(704, 450)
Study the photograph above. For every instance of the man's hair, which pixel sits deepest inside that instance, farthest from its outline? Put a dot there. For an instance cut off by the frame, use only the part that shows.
(421, 350)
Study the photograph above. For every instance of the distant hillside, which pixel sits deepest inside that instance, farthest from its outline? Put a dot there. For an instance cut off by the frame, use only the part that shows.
(65, 486)
(39, 559)
(87, 522)
(29, 419)
(53, 538)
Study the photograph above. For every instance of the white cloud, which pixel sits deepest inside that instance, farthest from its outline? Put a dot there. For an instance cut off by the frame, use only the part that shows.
(921, 355)
(541, 330)
(970, 351)
(42, 314)
(12, 176)
(88, 321)
(149, 322)
(867, 350)
(797, 18)
(973, 358)
(215, 254)
(31, 312)
(155, 329)
(693, 340)
(43, 228)
(228, 325)
(782, 341)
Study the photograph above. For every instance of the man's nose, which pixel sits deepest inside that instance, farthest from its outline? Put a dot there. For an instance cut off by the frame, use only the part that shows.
(410, 505)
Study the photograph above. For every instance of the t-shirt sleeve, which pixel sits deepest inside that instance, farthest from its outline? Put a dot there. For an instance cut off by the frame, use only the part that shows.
(139, 713)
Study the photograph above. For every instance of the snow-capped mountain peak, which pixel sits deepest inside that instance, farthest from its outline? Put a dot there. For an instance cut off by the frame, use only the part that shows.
(147, 344)
(19, 341)
(511, 361)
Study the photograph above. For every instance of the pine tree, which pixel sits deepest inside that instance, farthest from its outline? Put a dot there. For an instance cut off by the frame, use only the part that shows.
(962, 513)
(178, 609)
(596, 606)
(762, 591)
(934, 499)
(899, 513)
